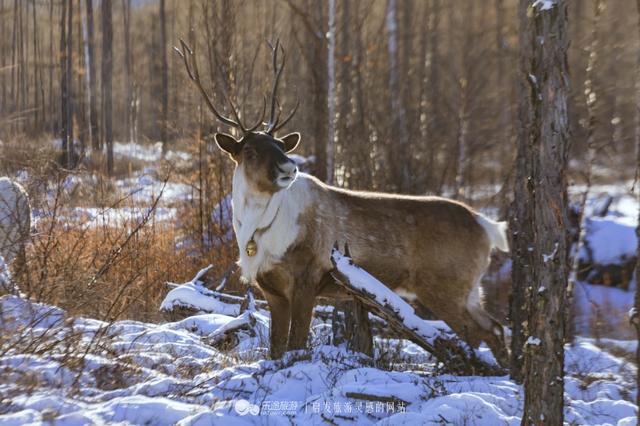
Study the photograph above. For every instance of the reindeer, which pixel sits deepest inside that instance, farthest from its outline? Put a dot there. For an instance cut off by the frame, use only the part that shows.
(432, 249)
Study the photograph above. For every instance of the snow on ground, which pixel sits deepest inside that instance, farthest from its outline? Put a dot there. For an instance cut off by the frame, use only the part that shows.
(116, 217)
(613, 304)
(61, 370)
(611, 240)
(144, 187)
(148, 152)
(194, 295)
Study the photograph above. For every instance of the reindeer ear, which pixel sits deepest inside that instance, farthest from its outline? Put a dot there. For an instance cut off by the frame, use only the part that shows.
(291, 141)
(227, 143)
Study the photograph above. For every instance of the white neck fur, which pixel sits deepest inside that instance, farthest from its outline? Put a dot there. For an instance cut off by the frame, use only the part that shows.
(278, 213)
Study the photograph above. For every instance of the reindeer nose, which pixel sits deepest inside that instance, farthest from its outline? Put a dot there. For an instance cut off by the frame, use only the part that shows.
(289, 167)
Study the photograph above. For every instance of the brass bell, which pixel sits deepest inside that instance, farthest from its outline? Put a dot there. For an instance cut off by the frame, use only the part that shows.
(252, 248)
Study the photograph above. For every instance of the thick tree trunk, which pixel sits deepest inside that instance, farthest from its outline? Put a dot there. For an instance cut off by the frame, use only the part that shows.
(107, 73)
(547, 134)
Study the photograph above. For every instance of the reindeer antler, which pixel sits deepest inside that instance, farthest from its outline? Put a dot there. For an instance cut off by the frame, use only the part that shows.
(191, 64)
(273, 125)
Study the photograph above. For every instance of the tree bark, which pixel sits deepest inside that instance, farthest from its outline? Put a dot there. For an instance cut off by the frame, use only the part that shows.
(164, 76)
(433, 114)
(548, 136)
(91, 71)
(634, 317)
(128, 70)
(37, 104)
(52, 115)
(344, 121)
(331, 91)
(3, 64)
(66, 65)
(399, 146)
(358, 328)
(107, 74)
(521, 219)
(315, 53)
(69, 144)
(14, 53)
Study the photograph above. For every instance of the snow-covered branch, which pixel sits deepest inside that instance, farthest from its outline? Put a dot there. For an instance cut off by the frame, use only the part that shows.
(432, 336)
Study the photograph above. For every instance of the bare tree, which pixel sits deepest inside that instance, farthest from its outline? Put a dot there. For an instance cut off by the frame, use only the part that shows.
(433, 112)
(91, 71)
(164, 76)
(521, 215)
(128, 70)
(107, 75)
(399, 147)
(38, 92)
(591, 98)
(52, 104)
(315, 52)
(547, 134)
(3, 63)
(331, 92)
(66, 64)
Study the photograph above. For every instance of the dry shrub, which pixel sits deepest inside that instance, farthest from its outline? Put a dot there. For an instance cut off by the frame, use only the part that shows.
(107, 272)
(110, 269)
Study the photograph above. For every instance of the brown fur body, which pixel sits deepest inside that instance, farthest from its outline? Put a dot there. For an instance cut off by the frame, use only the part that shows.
(429, 246)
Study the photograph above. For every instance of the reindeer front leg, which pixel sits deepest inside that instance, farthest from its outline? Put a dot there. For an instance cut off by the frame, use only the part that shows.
(280, 316)
(304, 297)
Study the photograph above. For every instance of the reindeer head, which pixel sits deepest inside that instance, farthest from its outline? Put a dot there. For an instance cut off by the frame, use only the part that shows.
(259, 154)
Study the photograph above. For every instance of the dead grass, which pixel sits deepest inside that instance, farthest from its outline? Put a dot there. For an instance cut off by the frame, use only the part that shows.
(106, 270)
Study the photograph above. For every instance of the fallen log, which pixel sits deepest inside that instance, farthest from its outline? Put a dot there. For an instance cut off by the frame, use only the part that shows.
(433, 336)
(193, 298)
